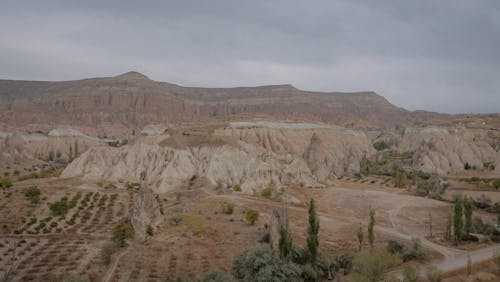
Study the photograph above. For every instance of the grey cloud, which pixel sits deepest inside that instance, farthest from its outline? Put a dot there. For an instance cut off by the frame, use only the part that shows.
(433, 55)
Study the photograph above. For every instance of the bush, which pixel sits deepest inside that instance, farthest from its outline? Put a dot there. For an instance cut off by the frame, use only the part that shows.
(372, 265)
(33, 194)
(227, 208)
(406, 253)
(60, 207)
(434, 274)
(261, 264)
(496, 259)
(467, 166)
(380, 145)
(122, 231)
(5, 183)
(107, 253)
(217, 276)
(237, 188)
(267, 192)
(149, 230)
(410, 274)
(431, 187)
(496, 183)
(252, 216)
(483, 202)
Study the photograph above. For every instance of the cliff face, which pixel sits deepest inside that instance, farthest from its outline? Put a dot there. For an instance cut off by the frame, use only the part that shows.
(118, 105)
(445, 149)
(255, 157)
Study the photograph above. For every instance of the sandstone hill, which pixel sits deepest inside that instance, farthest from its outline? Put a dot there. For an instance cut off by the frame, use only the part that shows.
(122, 104)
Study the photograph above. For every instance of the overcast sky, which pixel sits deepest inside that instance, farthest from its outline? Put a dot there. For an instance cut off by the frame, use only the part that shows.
(433, 55)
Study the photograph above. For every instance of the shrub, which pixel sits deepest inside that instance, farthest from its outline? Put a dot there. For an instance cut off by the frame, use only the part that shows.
(496, 183)
(5, 183)
(237, 188)
(122, 231)
(496, 259)
(33, 194)
(149, 230)
(107, 253)
(380, 145)
(217, 276)
(467, 166)
(482, 202)
(261, 264)
(193, 178)
(252, 216)
(195, 223)
(405, 252)
(267, 192)
(434, 274)
(372, 265)
(410, 274)
(60, 207)
(227, 208)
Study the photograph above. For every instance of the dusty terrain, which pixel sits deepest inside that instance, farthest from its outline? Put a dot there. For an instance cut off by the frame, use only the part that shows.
(170, 157)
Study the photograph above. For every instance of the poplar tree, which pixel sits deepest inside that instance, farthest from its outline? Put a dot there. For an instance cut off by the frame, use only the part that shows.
(371, 225)
(312, 232)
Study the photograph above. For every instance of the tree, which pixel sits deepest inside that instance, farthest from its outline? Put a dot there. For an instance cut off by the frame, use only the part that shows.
(76, 148)
(149, 230)
(122, 231)
(468, 215)
(261, 264)
(285, 243)
(70, 158)
(371, 225)
(252, 216)
(430, 224)
(312, 232)
(360, 237)
(457, 220)
(448, 227)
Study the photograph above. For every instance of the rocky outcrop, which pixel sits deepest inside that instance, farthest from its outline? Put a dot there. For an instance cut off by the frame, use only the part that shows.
(448, 149)
(146, 210)
(253, 157)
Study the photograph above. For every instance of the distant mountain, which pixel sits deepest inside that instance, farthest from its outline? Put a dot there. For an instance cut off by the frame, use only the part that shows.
(121, 104)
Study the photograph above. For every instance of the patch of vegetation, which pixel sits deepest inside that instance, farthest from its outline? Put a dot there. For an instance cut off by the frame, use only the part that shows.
(267, 192)
(372, 265)
(380, 145)
(195, 223)
(217, 276)
(118, 143)
(60, 207)
(405, 252)
(149, 230)
(227, 208)
(107, 253)
(401, 179)
(432, 187)
(193, 178)
(262, 265)
(122, 231)
(237, 188)
(5, 183)
(32, 194)
(132, 185)
(252, 216)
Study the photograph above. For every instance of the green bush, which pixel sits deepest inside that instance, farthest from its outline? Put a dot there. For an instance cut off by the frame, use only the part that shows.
(252, 216)
(107, 253)
(261, 264)
(227, 208)
(267, 192)
(372, 265)
(122, 231)
(405, 252)
(434, 274)
(496, 183)
(32, 194)
(60, 207)
(380, 145)
(237, 188)
(149, 230)
(5, 183)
